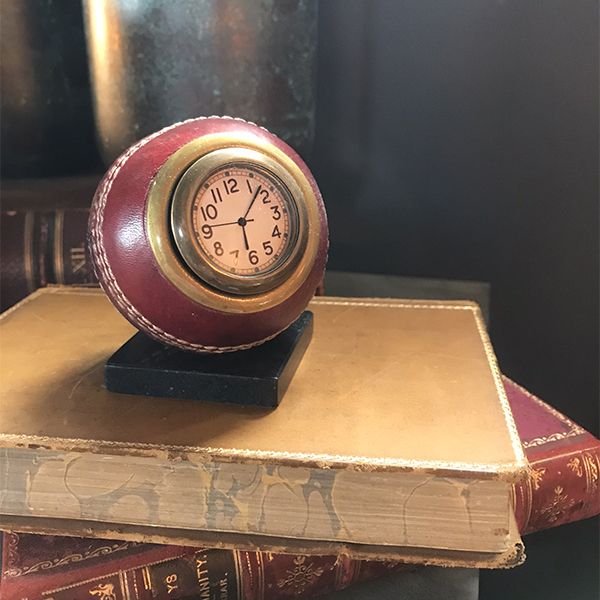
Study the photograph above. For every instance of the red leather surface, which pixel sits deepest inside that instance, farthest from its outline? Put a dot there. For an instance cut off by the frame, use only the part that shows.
(564, 485)
(76, 567)
(36, 564)
(136, 280)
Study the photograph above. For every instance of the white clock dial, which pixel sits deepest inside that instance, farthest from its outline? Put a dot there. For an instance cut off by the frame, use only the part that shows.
(241, 219)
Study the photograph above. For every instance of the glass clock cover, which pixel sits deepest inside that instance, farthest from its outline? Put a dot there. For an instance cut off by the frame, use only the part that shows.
(236, 224)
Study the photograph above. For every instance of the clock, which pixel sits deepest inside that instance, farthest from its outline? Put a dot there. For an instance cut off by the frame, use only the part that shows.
(236, 223)
(209, 235)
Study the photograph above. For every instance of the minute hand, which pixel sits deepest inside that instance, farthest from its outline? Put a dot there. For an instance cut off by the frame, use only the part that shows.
(252, 201)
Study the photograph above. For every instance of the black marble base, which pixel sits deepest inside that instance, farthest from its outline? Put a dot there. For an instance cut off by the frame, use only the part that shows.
(259, 376)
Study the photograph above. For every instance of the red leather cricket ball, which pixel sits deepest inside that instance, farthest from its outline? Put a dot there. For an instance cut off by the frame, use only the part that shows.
(209, 235)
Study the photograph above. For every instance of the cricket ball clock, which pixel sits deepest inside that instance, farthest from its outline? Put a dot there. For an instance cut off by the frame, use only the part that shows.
(209, 235)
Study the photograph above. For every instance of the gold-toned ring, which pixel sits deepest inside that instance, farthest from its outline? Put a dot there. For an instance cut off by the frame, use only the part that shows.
(159, 231)
(183, 228)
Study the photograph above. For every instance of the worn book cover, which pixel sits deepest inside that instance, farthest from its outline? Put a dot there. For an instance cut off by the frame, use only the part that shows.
(389, 394)
(563, 457)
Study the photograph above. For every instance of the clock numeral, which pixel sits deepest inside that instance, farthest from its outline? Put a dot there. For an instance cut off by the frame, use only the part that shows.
(210, 212)
(268, 248)
(265, 197)
(216, 195)
(207, 231)
(219, 249)
(249, 187)
(253, 257)
(230, 186)
(276, 213)
(236, 254)
(276, 232)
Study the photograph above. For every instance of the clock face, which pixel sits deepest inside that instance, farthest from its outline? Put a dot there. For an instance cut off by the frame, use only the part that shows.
(241, 220)
(235, 222)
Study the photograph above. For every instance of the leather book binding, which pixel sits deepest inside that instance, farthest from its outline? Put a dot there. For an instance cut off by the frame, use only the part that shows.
(564, 460)
(37, 567)
(41, 247)
(23, 268)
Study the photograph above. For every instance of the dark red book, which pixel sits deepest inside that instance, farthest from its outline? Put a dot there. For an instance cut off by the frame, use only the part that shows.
(563, 487)
(23, 244)
(42, 247)
(37, 567)
(565, 465)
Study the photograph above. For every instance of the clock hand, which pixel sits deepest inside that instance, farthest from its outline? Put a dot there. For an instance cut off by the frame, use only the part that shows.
(245, 237)
(252, 201)
(230, 223)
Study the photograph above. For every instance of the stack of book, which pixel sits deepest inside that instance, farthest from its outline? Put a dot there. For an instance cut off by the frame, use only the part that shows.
(398, 444)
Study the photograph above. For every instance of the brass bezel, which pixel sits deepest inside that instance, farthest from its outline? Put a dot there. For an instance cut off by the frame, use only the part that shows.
(185, 236)
(158, 225)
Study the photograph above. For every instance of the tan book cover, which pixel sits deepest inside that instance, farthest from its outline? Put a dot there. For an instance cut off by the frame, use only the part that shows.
(388, 391)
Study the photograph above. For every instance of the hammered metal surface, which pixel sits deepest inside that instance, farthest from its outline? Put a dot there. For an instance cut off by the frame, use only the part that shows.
(157, 62)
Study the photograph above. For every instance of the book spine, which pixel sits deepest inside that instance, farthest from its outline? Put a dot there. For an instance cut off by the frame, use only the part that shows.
(71, 264)
(227, 575)
(562, 487)
(41, 247)
(23, 237)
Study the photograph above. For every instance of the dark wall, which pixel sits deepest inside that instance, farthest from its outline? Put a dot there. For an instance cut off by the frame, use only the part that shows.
(459, 139)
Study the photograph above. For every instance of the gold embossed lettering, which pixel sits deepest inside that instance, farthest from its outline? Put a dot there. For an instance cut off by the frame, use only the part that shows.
(77, 258)
(223, 588)
(171, 583)
(204, 590)
(202, 576)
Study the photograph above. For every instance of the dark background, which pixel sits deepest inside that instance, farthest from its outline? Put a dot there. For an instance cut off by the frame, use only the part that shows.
(455, 139)
(459, 139)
